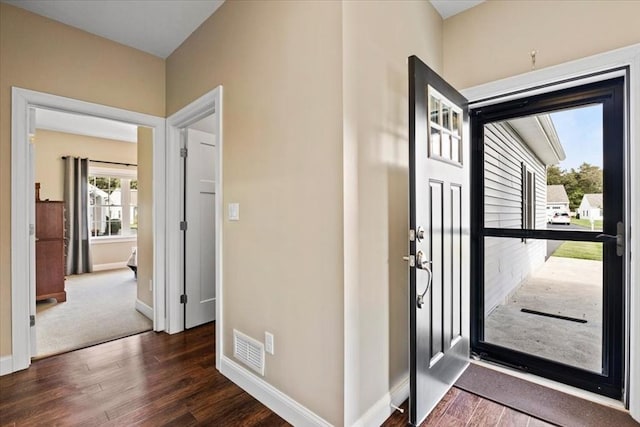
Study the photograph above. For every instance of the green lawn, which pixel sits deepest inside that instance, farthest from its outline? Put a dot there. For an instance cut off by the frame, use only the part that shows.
(580, 250)
(597, 224)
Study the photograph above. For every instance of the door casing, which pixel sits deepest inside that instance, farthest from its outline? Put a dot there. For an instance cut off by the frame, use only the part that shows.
(198, 109)
(22, 100)
(596, 68)
(610, 93)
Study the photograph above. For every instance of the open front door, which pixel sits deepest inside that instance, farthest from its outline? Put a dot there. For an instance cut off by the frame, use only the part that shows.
(439, 237)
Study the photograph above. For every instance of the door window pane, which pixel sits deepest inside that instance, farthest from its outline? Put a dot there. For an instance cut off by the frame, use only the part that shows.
(434, 108)
(544, 298)
(444, 128)
(455, 122)
(545, 171)
(446, 120)
(435, 142)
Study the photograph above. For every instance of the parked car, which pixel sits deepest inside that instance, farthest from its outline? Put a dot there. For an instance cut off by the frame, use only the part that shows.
(560, 218)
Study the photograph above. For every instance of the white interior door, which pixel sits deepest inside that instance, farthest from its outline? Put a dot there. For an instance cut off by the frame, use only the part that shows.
(200, 202)
(439, 238)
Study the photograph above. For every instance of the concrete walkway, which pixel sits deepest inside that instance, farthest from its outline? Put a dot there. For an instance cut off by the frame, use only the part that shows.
(562, 286)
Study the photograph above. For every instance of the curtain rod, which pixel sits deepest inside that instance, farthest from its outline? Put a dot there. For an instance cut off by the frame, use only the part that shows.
(106, 162)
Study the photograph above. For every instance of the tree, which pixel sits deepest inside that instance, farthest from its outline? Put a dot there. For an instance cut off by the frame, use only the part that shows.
(554, 175)
(586, 180)
(107, 185)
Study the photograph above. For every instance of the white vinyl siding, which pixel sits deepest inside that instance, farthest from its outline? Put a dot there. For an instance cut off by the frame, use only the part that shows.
(508, 261)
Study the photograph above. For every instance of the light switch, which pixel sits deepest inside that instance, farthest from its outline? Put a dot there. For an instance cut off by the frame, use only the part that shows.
(234, 211)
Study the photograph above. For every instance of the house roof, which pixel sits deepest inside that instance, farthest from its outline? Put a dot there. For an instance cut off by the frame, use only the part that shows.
(595, 200)
(539, 134)
(557, 194)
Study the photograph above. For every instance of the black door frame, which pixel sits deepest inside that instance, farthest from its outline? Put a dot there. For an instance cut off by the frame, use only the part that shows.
(611, 95)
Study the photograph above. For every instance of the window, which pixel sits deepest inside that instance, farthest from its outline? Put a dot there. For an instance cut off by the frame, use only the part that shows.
(445, 128)
(528, 198)
(113, 200)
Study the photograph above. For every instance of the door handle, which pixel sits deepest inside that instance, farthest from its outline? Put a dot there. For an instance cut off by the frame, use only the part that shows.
(423, 264)
(619, 238)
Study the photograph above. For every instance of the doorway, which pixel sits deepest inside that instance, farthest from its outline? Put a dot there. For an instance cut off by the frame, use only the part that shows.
(86, 230)
(516, 93)
(547, 256)
(210, 104)
(22, 215)
(199, 163)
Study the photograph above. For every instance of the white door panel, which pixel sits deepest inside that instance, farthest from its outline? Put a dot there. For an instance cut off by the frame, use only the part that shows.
(200, 201)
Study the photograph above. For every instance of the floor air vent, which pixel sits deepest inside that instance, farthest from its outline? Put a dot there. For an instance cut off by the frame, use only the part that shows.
(248, 351)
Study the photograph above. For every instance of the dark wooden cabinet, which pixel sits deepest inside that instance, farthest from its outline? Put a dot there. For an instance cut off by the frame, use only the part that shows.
(50, 251)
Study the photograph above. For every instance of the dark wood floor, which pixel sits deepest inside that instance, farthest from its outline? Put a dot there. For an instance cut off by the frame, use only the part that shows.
(157, 379)
(460, 408)
(150, 379)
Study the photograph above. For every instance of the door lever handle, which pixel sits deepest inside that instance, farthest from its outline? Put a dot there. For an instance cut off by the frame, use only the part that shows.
(420, 299)
(619, 238)
(423, 264)
(606, 236)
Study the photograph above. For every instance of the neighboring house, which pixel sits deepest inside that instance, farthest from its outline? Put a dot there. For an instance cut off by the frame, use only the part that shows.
(97, 215)
(591, 206)
(557, 200)
(517, 153)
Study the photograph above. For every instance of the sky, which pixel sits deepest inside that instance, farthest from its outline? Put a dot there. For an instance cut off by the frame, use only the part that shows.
(580, 133)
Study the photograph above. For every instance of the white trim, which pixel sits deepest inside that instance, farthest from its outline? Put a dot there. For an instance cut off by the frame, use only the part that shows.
(6, 365)
(109, 266)
(382, 409)
(115, 172)
(105, 240)
(569, 74)
(292, 411)
(144, 309)
(21, 189)
(204, 106)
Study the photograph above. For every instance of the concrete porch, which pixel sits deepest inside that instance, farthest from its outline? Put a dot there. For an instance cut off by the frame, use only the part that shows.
(561, 286)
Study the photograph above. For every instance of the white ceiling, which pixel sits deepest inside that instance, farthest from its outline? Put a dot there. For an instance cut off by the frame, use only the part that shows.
(154, 26)
(448, 8)
(85, 125)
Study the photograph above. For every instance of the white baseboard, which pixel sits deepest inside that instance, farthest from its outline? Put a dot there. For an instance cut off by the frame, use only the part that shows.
(110, 266)
(292, 411)
(6, 365)
(144, 309)
(381, 410)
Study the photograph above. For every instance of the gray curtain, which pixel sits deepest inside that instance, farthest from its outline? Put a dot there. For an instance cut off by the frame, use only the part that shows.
(76, 173)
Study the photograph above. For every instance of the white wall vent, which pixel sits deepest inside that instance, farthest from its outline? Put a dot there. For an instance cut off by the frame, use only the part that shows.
(249, 351)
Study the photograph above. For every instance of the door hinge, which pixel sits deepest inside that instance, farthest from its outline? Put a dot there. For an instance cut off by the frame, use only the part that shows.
(32, 320)
(183, 225)
(183, 299)
(32, 229)
(184, 152)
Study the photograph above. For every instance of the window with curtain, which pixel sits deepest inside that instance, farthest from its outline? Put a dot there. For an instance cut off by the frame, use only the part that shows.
(113, 200)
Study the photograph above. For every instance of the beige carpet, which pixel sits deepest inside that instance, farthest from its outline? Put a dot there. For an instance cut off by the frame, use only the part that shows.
(99, 307)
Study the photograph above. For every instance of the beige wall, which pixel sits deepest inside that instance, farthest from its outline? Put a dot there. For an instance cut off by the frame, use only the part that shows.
(40, 54)
(50, 146)
(105, 255)
(376, 189)
(280, 65)
(145, 214)
(494, 40)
